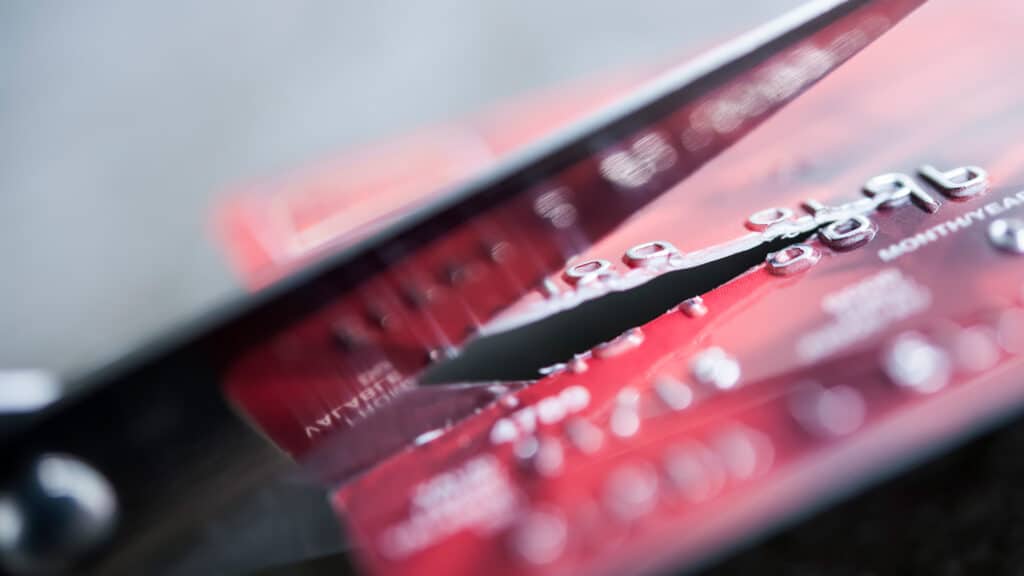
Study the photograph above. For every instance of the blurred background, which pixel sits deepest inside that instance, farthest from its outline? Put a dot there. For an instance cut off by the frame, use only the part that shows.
(124, 122)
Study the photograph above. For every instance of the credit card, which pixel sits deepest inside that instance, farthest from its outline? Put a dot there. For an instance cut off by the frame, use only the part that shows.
(888, 323)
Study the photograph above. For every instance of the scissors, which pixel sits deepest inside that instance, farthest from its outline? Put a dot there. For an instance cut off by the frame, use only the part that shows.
(370, 320)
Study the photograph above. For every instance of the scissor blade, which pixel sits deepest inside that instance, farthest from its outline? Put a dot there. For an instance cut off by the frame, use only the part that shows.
(606, 168)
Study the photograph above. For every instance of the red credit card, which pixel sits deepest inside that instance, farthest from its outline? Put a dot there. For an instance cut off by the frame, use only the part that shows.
(381, 318)
(895, 326)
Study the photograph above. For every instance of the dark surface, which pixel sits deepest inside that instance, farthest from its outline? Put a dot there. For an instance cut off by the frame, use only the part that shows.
(958, 515)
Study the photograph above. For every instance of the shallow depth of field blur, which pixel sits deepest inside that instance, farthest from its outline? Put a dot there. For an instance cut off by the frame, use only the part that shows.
(124, 121)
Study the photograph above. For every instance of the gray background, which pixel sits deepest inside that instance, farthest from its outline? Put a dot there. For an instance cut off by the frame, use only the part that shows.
(121, 121)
